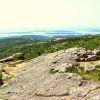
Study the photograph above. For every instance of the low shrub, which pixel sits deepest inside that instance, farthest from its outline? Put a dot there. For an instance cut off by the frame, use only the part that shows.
(1, 75)
(52, 71)
(97, 66)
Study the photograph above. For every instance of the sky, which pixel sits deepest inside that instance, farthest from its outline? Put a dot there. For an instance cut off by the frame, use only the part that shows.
(28, 15)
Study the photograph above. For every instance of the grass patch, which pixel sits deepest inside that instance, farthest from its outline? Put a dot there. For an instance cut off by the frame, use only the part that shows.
(86, 77)
(1, 75)
(90, 75)
(97, 66)
(9, 78)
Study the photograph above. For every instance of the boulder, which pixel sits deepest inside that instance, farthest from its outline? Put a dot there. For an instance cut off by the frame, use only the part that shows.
(84, 55)
(96, 52)
(81, 55)
(16, 56)
(91, 58)
(82, 52)
(89, 52)
(6, 59)
(89, 68)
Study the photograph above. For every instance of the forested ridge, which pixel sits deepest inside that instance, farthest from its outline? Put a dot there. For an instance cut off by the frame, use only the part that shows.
(32, 49)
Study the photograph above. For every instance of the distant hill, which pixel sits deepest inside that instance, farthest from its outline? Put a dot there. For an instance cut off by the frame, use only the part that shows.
(34, 37)
(32, 48)
(10, 42)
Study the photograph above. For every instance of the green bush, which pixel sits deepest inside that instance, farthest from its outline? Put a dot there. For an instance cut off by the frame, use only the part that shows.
(52, 71)
(18, 56)
(86, 77)
(1, 75)
(97, 66)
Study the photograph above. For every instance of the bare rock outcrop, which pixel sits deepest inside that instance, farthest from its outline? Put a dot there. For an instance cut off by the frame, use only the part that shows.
(15, 56)
(87, 55)
(36, 83)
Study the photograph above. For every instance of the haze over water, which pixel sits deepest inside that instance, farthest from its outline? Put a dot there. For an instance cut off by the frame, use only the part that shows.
(40, 17)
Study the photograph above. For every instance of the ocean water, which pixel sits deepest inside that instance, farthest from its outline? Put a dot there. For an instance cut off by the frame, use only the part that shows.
(56, 32)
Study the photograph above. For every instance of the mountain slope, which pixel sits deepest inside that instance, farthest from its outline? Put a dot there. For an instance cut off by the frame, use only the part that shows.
(34, 37)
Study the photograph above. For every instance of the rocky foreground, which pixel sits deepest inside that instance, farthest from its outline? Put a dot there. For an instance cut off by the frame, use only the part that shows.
(36, 82)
